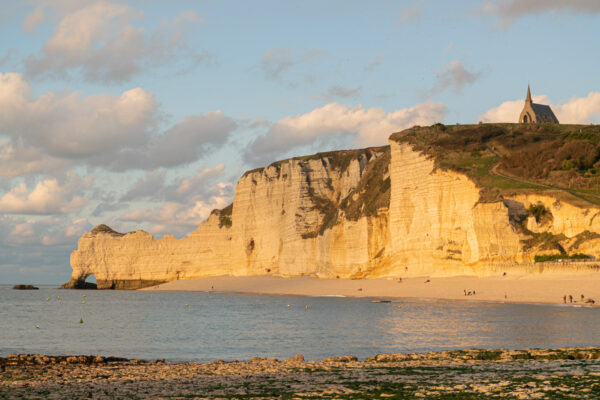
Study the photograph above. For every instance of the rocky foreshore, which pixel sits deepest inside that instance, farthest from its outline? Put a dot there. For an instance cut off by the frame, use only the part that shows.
(466, 374)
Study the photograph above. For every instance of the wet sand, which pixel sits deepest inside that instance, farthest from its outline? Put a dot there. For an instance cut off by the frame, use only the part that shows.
(516, 289)
(459, 374)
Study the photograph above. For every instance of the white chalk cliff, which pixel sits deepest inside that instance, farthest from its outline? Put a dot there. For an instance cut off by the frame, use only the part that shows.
(370, 213)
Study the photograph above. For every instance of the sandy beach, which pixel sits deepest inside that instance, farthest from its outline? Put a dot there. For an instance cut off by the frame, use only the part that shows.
(517, 289)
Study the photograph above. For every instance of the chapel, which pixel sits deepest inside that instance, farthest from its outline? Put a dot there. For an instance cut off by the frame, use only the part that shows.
(536, 113)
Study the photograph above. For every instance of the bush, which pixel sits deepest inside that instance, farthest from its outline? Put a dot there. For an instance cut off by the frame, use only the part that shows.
(537, 210)
(555, 257)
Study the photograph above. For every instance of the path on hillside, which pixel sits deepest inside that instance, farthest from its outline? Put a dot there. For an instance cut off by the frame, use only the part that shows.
(494, 171)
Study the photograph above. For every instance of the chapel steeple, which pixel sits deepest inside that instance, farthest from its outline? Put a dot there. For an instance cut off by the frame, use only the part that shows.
(536, 113)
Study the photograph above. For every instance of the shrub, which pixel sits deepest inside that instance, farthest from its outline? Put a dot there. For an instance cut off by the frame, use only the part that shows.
(537, 211)
(554, 257)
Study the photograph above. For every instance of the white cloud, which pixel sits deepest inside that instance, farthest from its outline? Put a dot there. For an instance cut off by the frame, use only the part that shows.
(116, 132)
(455, 76)
(179, 218)
(578, 110)
(66, 125)
(369, 127)
(101, 41)
(508, 11)
(50, 231)
(47, 197)
(154, 185)
(410, 14)
(187, 186)
(186, 201)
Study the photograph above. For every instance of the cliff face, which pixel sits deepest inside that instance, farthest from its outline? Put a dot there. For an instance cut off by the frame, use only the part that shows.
(295, 217)
(437, 222)
(412, 209)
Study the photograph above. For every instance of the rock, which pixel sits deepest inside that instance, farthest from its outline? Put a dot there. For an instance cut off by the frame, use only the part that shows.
(343, 359)
(296, 358)
(76, 283)
(98, 360)
(25, 287)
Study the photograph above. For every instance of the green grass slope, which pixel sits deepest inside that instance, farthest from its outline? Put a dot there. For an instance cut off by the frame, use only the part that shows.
(503, 158)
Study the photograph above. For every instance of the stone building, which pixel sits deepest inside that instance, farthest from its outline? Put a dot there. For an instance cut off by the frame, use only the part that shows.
(536, 113)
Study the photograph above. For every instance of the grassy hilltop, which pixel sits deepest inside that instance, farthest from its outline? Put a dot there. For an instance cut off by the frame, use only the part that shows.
(505, 158)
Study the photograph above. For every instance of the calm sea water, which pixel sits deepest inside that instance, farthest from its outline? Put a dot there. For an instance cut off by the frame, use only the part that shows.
(238, 327)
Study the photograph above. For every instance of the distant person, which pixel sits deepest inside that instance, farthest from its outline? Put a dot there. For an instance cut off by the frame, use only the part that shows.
(582, 297)
(473, 292)
(570, 299)
(565, 299)
(505, 297)
(465, 290)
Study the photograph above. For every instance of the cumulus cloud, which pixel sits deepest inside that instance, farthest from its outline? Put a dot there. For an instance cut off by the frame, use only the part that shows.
(100, 41)
(186, 201)
(578, 110)
(508, 11)
(368, 127)
(277, 61)
(178, 217)
(410, 14)
(183, 143)
(454, 76)
(154, 185)
(69, 126)
(47, 197)
(49, 231)
(118, 132)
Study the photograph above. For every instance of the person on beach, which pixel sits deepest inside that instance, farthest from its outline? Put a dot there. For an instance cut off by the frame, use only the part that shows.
(565, 299)
(582, 297)
(570, 298)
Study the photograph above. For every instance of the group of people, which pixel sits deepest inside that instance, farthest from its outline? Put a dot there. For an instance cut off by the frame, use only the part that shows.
(583, 299)
(469, 293)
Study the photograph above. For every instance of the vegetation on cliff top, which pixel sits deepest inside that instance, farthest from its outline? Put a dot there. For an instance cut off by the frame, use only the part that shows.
(105, 229)
(501, 157)
(224, 216)
(338, 159)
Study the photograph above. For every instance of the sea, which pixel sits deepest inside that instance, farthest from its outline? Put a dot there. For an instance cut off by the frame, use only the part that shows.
(208, 326)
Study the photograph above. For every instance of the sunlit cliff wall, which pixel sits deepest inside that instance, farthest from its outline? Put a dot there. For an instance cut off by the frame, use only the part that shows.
(307, 216)
(370, 213)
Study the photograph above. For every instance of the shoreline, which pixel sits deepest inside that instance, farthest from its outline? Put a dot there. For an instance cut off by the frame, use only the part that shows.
(474, 373)
(541, 290)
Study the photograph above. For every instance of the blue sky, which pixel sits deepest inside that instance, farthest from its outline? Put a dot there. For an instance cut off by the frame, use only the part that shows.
(143, 114)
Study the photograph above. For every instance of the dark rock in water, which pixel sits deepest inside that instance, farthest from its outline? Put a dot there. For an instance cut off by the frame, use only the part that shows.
(118, 284)
(79, 284)
(25, 287)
